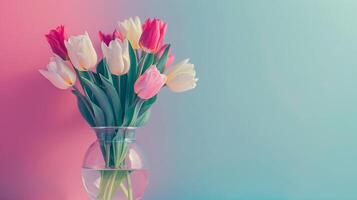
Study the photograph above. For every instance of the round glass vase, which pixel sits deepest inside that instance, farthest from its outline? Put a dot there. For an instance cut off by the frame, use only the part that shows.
(113, 166)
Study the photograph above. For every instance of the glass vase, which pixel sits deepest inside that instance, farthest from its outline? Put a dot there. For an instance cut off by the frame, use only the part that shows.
(113, 166)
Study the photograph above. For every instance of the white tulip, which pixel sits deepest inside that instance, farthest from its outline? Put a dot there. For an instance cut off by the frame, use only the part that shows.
(81, 52)
(59, 74)
(131, 29)
(181, 77)
(117, 56)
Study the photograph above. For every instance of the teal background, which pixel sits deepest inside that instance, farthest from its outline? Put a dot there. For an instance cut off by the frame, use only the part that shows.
(273, 115)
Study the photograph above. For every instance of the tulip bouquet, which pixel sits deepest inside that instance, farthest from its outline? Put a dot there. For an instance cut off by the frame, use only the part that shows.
(119, 90)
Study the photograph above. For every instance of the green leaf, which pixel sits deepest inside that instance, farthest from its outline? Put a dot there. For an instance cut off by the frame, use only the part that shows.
(150, 58)
(129, 112)
(99, 115)
(122, 91)
(142, 119)
(114, 99)
(131, 76)
(90, 76)
(81, 75)
(132, 56)
(98, 81)
(132, 113)
(116, 83)
(87, 75)
(102, 100)
(84, 107)
(162, 61)
(102, 68)
(84, 74)
(147, 104)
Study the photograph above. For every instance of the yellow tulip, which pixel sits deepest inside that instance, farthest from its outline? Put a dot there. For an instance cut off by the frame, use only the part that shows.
(81, 52)
(181, 77)
(131, 29)
(116, 55)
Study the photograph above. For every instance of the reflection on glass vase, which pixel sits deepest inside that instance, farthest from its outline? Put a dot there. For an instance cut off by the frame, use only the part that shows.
(113, 167)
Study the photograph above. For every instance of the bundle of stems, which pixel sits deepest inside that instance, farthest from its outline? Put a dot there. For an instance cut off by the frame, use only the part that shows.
(109, 100)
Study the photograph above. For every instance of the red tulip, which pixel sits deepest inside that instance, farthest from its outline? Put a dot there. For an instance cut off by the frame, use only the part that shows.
(153, 35)
(107, 38)
(56, 38)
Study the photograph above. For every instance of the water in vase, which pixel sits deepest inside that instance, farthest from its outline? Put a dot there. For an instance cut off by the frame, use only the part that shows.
(115, 184)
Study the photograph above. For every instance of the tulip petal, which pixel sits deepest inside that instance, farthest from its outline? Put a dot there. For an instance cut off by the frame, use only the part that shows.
(117, 57)
(181, 77)
(55, 79)
(153, 35)
(150, 83)
(131, 29)
(81, 52)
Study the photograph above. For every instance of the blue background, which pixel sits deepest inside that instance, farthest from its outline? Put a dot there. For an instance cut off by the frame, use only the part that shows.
(274, 112)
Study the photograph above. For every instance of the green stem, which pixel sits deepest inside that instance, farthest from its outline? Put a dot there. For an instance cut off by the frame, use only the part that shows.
(107, 150)
(91, 76)
(112, 180)
(123, 188)
(104, 185)
(137, 55)
(130, 189)
(110, 183)
(75, 90)
(141, 63)
(111, 190)
(120, 120)
(136, 112)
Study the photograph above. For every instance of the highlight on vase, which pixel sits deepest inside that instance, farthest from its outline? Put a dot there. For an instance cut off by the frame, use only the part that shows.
(114, 95)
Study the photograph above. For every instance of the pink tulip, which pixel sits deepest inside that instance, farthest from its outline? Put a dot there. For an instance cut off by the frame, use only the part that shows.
(170, 57)
(56, 38)
(107, 38)
(153, 35)
(149, 83)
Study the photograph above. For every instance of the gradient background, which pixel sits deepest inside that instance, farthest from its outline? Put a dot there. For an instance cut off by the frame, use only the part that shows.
(273, 116)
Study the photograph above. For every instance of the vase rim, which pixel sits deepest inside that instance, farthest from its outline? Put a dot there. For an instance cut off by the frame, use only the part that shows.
(114, 127)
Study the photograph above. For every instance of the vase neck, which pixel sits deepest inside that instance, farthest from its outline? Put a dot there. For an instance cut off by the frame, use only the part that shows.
(115, 134)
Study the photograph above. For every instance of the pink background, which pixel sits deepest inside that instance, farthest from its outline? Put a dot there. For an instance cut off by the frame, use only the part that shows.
(43, 137)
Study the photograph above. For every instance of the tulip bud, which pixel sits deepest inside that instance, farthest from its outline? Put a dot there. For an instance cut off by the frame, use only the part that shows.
(131, 29)
(59, 74)
(117, 56)
(81, 52)
(149, 83)
(181, 77)
(153, 35)
(56, 38)
(107, 38)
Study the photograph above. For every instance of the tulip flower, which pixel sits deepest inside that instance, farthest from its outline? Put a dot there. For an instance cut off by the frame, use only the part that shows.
(153, 35)
(106, 38)
(81, 52)
(117, 56)
(56, 38)
(59, 74)
(131, 29)
(170, 57)
(149, 83)
(181, 77)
